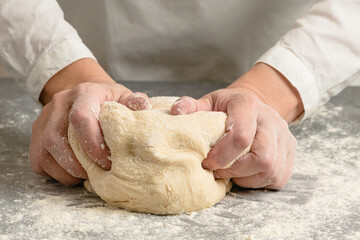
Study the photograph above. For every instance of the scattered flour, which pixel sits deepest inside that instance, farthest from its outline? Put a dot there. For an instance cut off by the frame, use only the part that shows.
(321, 200)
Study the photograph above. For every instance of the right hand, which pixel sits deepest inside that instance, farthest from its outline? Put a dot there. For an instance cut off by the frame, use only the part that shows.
(50, 153)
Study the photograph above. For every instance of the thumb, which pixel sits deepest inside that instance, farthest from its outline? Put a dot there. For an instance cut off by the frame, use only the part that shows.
(186, 105)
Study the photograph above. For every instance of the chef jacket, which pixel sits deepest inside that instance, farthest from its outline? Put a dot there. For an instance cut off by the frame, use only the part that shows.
(314, 44)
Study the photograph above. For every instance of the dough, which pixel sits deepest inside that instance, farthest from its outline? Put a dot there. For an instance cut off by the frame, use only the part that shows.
(156, 158)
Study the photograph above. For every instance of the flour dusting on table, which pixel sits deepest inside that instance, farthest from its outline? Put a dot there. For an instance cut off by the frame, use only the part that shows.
(321, 200)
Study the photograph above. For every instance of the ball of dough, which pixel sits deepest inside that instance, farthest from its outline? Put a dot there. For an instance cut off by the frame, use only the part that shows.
(156, 158)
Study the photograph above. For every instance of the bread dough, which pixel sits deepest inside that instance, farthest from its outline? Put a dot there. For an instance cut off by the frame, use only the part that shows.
(156, 158)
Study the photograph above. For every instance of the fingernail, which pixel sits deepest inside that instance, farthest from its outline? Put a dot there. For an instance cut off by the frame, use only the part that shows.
(84, 175)
(81, 174)
(183, 106)
(204, 164)
(177, 110)
(106, 164)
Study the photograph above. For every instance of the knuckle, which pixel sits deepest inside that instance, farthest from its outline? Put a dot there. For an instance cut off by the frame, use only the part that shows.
(284, 125)
(86, 88)
(276, 180)
(82, 87)
(242, 138)
(267, 163)
(50, 140)
(275, 116)
(58, 97)
(248, 100)
(251, 100)
(269, 157)
(77, 117)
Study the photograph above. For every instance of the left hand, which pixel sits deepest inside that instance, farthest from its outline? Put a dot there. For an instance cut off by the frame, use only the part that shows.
(250, 121)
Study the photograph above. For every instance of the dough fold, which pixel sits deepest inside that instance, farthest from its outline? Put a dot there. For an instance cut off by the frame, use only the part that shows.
(156, 158)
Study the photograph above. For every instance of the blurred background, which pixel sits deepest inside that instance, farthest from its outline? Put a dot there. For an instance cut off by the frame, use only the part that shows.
(90, 22)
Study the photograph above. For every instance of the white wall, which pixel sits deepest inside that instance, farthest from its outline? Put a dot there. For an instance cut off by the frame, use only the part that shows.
(89, 19)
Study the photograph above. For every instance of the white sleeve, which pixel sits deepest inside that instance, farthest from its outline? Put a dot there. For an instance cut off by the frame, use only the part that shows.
(37, 42)
(321, 54)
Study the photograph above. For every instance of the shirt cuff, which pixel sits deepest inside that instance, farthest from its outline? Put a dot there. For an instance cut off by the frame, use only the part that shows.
(289, 65)
(52, 62)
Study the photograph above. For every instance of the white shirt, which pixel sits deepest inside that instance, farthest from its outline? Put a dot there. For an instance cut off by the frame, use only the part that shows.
(191, 40)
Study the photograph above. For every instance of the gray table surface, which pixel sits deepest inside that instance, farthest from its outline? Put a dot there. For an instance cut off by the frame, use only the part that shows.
(321, 200)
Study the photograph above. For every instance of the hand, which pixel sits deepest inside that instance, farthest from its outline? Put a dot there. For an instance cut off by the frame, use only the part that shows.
(250, 121)
(50, 154)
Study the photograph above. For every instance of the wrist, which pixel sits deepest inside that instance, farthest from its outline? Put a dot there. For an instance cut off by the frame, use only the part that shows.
(83, 70)
(272, 88)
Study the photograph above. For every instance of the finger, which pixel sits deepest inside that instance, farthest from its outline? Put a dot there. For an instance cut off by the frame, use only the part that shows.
(284, 174)
(285, 165)
(84, 112)
(259, 180)
(37, 154)
(279, 175)
(83, 117)
(187, 105)
(262, 157)
(276, 168)
(138, 101)
(39, 157)
(241, 128)
(53, 169)
(55, 136)
(36, 149)
(271, 178)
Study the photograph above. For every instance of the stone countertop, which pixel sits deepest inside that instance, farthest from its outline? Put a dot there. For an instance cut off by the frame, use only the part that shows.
(322, 199)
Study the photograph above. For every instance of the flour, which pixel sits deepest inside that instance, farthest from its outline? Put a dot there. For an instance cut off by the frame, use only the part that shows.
(321, 200)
